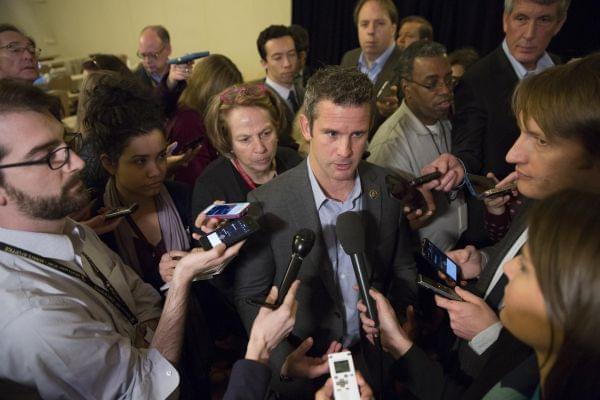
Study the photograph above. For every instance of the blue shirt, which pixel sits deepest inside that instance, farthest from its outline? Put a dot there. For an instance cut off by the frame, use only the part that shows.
(542, 64)
(377, 65)
(328, 210)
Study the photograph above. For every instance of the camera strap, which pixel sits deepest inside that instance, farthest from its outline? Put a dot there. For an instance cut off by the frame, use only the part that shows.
(108, 291)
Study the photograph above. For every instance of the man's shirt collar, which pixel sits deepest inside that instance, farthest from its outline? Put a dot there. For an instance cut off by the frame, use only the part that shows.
(542, 64)
(377, 65)
(319, 194)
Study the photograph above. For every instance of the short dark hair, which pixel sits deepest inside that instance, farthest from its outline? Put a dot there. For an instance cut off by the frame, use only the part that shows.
(18, 96)
(425, 30)
(300, 35)
(160, 31)
(272, 32)
(107, 62)
(342, 86)
(388, 5)
(120, 108)
(421, 48)
(465, 56)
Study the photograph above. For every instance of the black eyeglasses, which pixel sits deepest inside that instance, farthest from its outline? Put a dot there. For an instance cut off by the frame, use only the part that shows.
(55, 159)
(448, 81)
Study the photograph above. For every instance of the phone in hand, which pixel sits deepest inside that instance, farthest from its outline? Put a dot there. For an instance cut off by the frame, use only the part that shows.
(189, 145)
(438, 259)
(121, 211)
(230, 233)
(499, 191)
(437, 288)
(226, 211)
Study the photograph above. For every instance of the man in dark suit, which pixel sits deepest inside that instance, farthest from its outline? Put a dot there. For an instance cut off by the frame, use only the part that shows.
(312, 195)
(484, 125)
(377, 56)
(279, 58)
(558, 148)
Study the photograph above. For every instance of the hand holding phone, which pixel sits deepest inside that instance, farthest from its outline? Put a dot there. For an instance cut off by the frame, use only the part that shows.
(438, 259)
(437, 288)
(230, 233)
(121, 211)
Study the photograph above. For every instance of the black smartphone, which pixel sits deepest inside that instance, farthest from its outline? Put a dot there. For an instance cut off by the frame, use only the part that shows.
(121, 211)
(436, 257)
(190, 145)
(499, 191)
(425, 178)
(230, 233)
(437, 288)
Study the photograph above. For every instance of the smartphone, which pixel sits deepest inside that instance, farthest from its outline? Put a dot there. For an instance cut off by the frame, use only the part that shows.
(425, 178)
(190, 145)
(436, 257)
(121, 211)
(499, 191)
(385, 91)
(437, 288)
(226, 211)
(232, 232)
(188, 57)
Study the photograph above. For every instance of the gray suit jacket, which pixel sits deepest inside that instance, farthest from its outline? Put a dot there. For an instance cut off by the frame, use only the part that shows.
(286, 205)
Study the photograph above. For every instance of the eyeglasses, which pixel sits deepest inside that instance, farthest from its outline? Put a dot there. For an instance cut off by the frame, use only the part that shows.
(17, 48)
(59, 157)
(238, 93)
(436, 83)
(55, 159)
(152, 56)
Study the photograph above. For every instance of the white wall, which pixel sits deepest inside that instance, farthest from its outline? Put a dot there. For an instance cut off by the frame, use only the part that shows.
(74, 28)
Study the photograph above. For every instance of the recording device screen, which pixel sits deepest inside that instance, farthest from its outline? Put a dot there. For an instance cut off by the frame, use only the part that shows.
(440, 260)
(341, 366)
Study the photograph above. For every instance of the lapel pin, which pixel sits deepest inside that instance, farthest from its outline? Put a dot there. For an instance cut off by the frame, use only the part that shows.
(373, 194)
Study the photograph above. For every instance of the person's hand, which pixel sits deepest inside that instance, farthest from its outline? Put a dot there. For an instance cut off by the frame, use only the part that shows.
(326, 392)
(496, 205)
(198, 261)
(388, 104)
(416, 217)
(272, 326)
(168, 262)
(451, 169)
(101, 225)
(83, 214)
(394, 339)
(469, 261)
(181, 160)
(179, 72)
(206, 224)
(299, 365)
(469, 317)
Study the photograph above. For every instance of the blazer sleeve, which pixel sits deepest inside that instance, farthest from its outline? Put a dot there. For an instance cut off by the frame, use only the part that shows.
(469, 125)
(249, 380)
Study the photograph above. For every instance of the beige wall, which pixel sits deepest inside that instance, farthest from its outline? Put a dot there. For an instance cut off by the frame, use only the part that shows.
(73, 28)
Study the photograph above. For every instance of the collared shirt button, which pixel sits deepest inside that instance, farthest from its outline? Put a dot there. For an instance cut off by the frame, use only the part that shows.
(169, 373)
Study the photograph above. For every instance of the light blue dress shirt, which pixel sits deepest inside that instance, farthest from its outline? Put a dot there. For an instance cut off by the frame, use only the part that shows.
(542, 64)
(329, 209)
(377, 65)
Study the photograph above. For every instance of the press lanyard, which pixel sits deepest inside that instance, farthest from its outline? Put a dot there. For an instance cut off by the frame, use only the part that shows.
(244, 174)
(108, 291)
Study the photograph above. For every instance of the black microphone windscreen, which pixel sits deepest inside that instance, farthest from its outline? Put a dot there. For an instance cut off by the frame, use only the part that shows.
(303, 242)
(350, 232)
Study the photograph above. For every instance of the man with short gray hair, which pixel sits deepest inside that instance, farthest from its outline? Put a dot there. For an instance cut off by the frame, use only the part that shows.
(333, 179)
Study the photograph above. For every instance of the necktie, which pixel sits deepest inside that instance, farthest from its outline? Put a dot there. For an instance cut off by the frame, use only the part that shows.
(293, 101)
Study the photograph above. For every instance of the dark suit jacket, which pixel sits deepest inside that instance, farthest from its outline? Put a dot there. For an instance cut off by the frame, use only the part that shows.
(168, 97)
(484, 127)
(249, 380)
(287, 205)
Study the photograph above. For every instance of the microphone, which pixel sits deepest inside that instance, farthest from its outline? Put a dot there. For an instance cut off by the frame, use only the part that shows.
(302, 244)
(351, 234)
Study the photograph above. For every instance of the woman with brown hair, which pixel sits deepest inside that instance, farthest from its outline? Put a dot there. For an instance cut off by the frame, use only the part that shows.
(211, 75)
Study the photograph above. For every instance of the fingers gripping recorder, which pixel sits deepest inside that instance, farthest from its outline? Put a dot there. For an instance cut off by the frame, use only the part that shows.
(351, 234)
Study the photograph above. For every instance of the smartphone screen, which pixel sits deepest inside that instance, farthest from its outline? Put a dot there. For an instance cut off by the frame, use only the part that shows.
(438, 259)
(226, 211)
(230, 233)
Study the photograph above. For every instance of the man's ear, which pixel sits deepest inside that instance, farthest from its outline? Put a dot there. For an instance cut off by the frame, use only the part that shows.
(107, 164)
(403, 87)
(3, 197)
(305, 127)
(263, 63)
